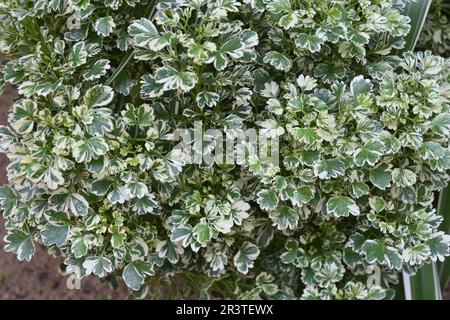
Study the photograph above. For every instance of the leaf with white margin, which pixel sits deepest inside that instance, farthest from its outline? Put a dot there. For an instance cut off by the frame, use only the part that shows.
(169, 250)
(50, 176)
(369, 154)
(98, 96)
(441, 124)
(377, 251)
(360, 86)
(100, 266)
(142, 116)
(78, 55)
(431, 150)
(79, 246)
(66, 201)
(97, 70)
(234, 48)
(202, 232)
(439, 245)
(135, 272)
(342, 207)
(245, 257)
(310, 42)
(172, 79)
(403, 177)
(206, 98)
(328, 169)
(136, 189)
(119, 194)
(8, 200)
(20, 243)
(278, 61)
(23, 115)
(145, 35)
(55, 234)
(92, 148)
(267, 199)
(417, 254)
(182, 233)
(104, 26)
(381, 176)
(144, 205)
(284, 218)
(302, 195)
(7, 138)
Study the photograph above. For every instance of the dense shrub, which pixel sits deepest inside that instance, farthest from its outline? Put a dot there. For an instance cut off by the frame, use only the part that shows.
(104, 85)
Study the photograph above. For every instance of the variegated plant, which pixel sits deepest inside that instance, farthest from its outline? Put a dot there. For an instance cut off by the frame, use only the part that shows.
(104, 85)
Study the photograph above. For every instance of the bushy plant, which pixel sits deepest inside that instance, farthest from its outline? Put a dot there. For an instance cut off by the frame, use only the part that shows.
(104, 85)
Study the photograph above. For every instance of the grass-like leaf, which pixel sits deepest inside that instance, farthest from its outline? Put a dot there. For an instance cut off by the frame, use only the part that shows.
(444, 210)
(417, 10)
(424, 285)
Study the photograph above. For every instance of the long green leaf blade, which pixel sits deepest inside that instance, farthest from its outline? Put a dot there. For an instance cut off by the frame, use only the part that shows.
(444, 211)
(417, 10)
(424, 285)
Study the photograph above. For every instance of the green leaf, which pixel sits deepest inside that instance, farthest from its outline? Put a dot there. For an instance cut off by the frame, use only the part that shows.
(342, 207)
(20, 243)
(441, 124)
(142, 116)
(78, 55)
(97, 70)
(135, 272)
(92, 148)
(104, 26)
(145, 35)
(206, 98)
(100, 266)
(308, 136)
(267, 199)
(403, 177)
(431, 150)
(118, 238)
(284, 218)
(309, 42)
(278, 61)
(245, 257)
(55, 235)
(233, 48)
(302, 196)
(360, 86)
(202, 232)
(328, 169)
(172, 79)
(98, 96)
(79, 247)
(378, 251)
(8, 200)
(369, 154)
(381, 176)
(73, 202)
